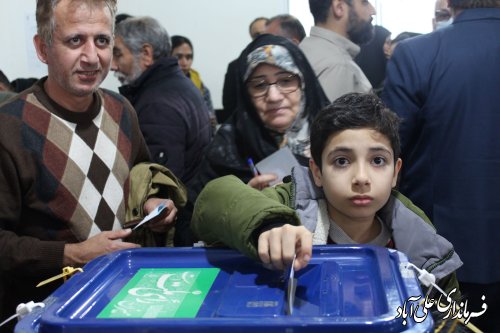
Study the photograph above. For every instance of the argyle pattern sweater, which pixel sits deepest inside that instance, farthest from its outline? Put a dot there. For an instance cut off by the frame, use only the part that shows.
(63, 176)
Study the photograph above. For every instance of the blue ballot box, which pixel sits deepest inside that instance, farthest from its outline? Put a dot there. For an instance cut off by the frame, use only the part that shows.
(343, 289)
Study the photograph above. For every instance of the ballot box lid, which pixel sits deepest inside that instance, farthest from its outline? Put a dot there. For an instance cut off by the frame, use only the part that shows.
(344, 288)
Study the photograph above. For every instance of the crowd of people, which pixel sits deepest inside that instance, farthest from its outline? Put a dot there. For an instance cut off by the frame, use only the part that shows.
(395, 146)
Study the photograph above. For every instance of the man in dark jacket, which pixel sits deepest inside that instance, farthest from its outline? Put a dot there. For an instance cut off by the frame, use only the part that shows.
(172, 115)
(445, 85)
(67, 148)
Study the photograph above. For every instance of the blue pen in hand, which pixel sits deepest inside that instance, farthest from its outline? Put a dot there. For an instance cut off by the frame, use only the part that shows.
(252, 167)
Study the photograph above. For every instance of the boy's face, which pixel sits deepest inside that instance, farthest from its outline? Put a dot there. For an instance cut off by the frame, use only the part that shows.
(357, 175)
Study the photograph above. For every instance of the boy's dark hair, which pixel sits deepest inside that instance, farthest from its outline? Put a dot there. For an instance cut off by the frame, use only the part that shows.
(354, 111)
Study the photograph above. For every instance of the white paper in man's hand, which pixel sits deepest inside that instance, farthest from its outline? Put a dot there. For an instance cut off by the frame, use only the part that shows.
(157, 213)
(280, 163)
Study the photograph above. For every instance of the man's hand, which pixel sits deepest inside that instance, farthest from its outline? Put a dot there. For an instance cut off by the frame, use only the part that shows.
(78, 254)
(260, 182)
(279, 245)
(167, 221)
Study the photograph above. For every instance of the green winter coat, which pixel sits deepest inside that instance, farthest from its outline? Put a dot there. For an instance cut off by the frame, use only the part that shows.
(148, 180)
(227, 212)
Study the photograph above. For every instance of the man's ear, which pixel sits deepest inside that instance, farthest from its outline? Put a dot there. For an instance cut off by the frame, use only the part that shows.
(339, 8)
(397, 168)
(41, 48)
(295, 41)
(147, 55)
(316, 172)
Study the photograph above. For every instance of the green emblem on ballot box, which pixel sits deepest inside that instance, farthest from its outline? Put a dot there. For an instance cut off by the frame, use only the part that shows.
(162, 293)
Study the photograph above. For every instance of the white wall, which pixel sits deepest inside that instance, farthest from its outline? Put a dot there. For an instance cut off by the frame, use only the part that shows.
(17, 55)
(218, 30)
(404, 15)
(395, 15)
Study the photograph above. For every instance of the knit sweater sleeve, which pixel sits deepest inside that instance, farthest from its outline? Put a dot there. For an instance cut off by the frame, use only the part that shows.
(23, 255)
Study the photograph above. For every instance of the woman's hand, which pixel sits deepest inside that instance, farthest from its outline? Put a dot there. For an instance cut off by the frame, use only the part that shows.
(262, 181)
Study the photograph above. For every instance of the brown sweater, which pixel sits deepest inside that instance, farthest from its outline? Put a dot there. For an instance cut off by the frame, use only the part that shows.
(63, 178)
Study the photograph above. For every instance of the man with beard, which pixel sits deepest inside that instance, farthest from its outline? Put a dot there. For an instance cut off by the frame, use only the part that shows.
(172, 114)
(171, 111)
(340, 26)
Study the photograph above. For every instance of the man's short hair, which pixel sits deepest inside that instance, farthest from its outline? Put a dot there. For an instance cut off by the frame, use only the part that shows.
(45, 16)
(354, 111)
(290, 25)
(320, 8)
(261, 18)
(140, 30)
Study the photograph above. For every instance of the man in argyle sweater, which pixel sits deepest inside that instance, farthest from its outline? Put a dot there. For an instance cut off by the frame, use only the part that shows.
(66, 150)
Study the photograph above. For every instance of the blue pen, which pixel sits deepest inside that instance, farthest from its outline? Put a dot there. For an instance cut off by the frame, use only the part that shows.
(252, 166)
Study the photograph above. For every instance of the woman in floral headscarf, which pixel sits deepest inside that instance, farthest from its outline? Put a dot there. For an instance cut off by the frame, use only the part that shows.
(278, 96)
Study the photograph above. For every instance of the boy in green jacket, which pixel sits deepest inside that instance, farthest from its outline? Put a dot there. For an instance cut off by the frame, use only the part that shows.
(345, 197)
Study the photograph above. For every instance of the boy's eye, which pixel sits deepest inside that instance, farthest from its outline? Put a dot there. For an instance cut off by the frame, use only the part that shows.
(379, 161)
(341, 162)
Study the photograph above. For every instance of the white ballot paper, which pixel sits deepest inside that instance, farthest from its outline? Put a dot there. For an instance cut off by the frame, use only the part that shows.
(280, 163)
(290, 290)
(157, 213)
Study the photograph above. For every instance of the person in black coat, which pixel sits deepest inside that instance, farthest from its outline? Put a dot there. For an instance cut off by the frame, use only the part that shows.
(172, 114)
(372, 60)
(278, 96)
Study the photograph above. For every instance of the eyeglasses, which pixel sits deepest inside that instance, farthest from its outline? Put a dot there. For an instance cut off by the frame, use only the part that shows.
(286, 84)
